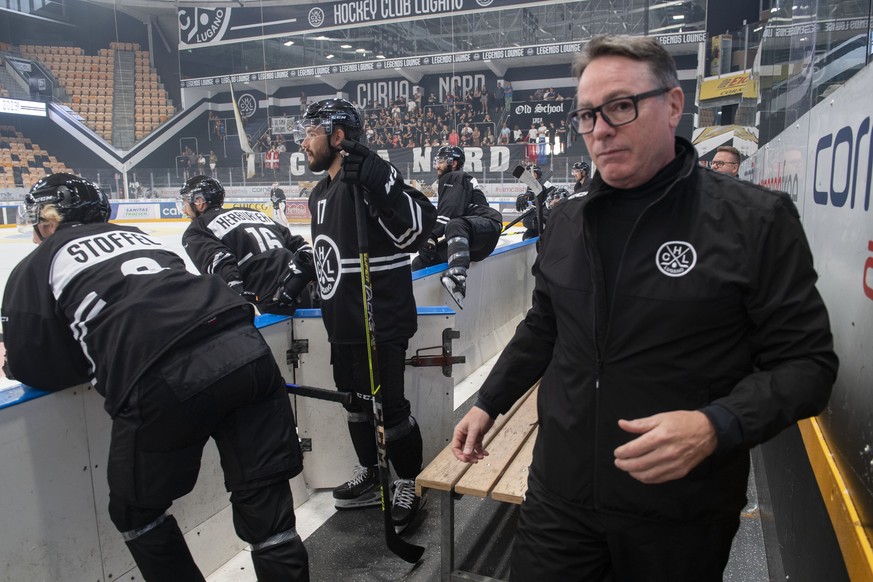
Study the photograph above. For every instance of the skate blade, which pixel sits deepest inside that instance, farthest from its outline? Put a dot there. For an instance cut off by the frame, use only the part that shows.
(457, 297)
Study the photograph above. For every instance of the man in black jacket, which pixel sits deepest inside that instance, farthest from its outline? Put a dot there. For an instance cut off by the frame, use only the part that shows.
(675, 324)
(467, 228)
(191, 366)
(398, 219)
(258, 258)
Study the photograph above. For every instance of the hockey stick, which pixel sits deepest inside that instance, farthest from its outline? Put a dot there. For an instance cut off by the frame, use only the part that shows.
(404, 550)
(539, 191)
(343, 398)
(518, 219)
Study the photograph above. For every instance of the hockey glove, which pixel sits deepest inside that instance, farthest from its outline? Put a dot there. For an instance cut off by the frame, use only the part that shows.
(521, 203)
(238, 286)
(428, 250)
(303, 263)
(381, 181)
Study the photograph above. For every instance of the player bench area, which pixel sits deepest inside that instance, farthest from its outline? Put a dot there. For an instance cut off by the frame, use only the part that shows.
(502, 475)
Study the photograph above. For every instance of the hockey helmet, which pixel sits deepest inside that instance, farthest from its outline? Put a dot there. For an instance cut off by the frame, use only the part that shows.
(449, 153)
(558, 194)
(75, 198)
(204, 187)
(329, 113)
(582, 166)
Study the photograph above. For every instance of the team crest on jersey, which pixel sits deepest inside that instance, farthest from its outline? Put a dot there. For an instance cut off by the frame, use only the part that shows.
(676, 258)
(328, 266)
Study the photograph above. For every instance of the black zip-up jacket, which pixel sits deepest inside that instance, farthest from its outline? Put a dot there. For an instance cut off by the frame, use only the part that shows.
(103, 302)
(714, 303)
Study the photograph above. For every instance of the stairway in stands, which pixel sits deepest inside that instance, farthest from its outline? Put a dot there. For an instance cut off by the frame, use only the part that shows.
(124, 95)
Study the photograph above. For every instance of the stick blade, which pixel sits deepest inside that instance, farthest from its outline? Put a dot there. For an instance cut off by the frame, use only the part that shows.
(398, 546)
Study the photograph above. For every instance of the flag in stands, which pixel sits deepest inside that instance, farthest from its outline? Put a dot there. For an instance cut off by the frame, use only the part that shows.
(243, 138)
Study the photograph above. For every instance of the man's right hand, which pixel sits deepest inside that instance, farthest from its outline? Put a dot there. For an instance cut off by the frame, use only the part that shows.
(467, 441)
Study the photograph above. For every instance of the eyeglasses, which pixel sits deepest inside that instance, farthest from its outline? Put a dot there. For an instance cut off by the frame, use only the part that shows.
(720, 163)
(615, 112)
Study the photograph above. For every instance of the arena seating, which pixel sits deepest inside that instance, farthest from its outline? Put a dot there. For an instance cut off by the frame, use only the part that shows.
(22, 162)
(89, 82)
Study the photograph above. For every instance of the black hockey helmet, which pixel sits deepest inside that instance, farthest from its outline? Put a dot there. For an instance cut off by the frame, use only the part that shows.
(449, 153)
(204, 187)
(328, 113)
(582, 166)
(75, 198)
(536, 171)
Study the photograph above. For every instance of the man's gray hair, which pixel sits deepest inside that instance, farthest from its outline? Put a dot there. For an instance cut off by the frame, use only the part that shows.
(637, 48)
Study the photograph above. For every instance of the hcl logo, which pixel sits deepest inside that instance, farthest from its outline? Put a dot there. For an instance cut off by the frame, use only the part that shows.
(838, 159)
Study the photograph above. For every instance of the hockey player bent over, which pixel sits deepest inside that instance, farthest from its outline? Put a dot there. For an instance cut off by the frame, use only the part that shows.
(258, 258)
(177, 359)
(467, 229)
(399, 219)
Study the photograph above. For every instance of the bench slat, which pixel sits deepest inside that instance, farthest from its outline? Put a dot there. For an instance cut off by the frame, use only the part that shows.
(479, 479)
(445, 470)
(513, 485)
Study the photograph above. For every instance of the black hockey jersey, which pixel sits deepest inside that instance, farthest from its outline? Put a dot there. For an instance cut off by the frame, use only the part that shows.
(393, 233)
(73, 306)
(460, 195)
(242, 244)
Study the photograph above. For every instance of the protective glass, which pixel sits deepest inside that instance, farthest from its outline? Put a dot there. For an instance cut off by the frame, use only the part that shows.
(615, 112)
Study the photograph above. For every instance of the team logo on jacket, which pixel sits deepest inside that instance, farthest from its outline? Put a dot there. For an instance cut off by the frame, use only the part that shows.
(676, 258)
(328, 266)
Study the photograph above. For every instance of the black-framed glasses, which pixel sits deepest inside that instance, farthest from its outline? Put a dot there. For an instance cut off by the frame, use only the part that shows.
(615, 112)
(720, 163)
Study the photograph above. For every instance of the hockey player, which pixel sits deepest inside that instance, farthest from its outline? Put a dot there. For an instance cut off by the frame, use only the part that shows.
(177, 359)
(277, 197)
(256, 257)
(399, 218)
(528, 199)
(581, 171)
(467, 228)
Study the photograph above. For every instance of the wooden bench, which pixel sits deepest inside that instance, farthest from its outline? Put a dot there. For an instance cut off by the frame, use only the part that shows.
(502, 475)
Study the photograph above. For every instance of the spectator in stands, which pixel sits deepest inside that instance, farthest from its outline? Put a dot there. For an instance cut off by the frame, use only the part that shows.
(201, 163)
(727, 160)
(197, 370)
(498, 97)
(454, 138)
(641, 464)
(550, 94)
(505, 134)
(507, 94)
(517, 135)
(483, 99)
(532, 133)
(488, 139)
(213, 162)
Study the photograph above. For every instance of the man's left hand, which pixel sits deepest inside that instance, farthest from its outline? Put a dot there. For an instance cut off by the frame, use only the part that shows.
(669, 446)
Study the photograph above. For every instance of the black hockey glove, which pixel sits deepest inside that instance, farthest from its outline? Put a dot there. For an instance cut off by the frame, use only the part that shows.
(238, 286)
(381, 181)
(303, 263)
(521, 203)
(302, 272)
(428, 250)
